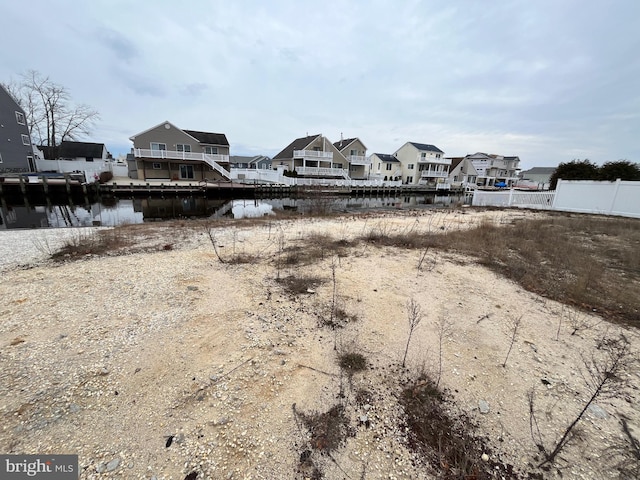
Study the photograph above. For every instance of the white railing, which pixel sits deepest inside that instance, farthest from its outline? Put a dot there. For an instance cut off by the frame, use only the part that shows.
(359, 160)
(433, 173)
(312, 154)
(513, 198)
(323, 172)
(210, 159)
(434, 160)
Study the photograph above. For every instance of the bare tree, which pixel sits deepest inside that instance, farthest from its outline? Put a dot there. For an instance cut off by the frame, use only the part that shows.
(414, 316)
(50, 114)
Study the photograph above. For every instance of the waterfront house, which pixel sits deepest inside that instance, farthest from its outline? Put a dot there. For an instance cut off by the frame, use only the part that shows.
(356, 154)
(423, 164)
(16, 150)
(258, 162)
(312, 157)
(385, 167)
(495, 169)
(462, 173)
(538, 178)
(167, 152)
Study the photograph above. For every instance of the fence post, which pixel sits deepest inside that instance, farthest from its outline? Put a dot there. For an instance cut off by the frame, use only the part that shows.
(613, 197)
(555, 194)
(510, 196)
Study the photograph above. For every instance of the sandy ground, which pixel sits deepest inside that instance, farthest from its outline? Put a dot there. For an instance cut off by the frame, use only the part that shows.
(154, 365)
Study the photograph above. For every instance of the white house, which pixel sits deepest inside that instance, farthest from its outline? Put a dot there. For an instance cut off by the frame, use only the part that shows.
(423, 164)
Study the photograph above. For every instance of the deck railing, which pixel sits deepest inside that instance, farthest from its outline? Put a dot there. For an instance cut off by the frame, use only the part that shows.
(323, 172)
(359, 160)
(210, 159)
(312, 154)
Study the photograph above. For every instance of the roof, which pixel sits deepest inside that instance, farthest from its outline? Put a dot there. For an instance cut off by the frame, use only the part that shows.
(426, 147)
(208, 137)
(385, 157)
(68, 149)
(297, 144)
(247, 159)
(342, 144)
(455, 161)
(540, 171)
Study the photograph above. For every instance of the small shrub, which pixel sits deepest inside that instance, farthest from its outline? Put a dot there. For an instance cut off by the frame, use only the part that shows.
(352, 362)
(328, 430)
(299, 285)
(105, 177)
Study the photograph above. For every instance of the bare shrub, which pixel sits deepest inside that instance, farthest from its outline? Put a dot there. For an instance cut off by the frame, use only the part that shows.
(414, 317)
(513, 325)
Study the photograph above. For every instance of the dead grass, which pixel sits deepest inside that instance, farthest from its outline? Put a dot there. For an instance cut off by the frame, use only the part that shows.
(315, 248)
(446, 440)
(101, 242)
(352, 362)
(327, 430)
(589, 262)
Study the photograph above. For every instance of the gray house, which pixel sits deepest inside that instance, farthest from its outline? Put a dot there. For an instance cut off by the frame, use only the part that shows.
(260, 162)
(16, 151)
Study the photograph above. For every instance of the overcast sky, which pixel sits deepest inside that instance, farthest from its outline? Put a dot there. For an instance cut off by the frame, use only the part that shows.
(547, 80)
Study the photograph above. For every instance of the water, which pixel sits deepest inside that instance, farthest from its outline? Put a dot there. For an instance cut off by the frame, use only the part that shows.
(139, 210)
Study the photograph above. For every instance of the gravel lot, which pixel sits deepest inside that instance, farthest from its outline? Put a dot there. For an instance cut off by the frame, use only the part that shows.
(163, 361)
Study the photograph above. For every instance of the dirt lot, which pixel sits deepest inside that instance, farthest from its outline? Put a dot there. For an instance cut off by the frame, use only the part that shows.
(165, 361)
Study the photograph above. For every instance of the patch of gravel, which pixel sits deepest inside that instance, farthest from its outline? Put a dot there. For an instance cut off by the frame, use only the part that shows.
(25, 248)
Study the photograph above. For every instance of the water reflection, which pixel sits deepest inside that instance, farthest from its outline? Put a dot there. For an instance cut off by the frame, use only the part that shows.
(112, 212)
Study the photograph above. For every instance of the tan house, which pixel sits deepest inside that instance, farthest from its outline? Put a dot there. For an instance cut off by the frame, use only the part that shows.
(462, 173)
(423, 164)
(385, 167)
(166, 152)
(312, 157)
(356, 154)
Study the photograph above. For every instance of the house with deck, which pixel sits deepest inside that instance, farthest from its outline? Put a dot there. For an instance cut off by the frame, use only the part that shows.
(167, 152)
(423, 164)
(313, 157)
(16, 150)
(495, 170)
(356, 154)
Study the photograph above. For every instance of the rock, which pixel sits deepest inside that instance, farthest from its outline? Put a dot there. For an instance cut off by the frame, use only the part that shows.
(192, 288)
(366, 407)
(485, 457)
(101, 468)
(364, 418)
(74, 408)
(213, 378)
(597, 411)
(483, 405)
(103, 371)
(113, 464)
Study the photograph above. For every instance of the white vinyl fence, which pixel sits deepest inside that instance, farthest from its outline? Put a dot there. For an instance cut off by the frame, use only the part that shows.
(91, 170)
(251, 175)
(583, 196)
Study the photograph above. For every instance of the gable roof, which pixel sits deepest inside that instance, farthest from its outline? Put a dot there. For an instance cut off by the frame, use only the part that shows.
(385, 157)
(208, 137)
(297, 144)
(426, 147)
(342, 144)
(539, 171)
(455, 161)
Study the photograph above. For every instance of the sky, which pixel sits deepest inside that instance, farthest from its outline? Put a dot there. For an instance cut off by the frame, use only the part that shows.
(547, 80)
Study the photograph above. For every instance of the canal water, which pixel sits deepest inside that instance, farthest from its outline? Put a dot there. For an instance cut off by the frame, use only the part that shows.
(115, 212)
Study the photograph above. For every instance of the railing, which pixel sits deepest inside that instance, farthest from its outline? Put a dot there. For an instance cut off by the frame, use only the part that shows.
(312, 154)
(359, 160)
(434, 160)
(514, 198)
(433, 173)
(210, 159)
(323, 172)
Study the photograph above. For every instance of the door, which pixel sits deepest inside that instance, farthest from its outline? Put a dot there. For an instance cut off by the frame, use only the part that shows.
(186, 172)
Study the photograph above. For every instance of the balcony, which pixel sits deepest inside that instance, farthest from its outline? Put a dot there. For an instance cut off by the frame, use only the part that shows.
(358, 160)
(433, 174)
(322, 172)
(434, 160)
(313, 155)
(175, 155)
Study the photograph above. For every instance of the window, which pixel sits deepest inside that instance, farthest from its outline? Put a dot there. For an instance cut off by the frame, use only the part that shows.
(409, 179)
(211, 150)
(25, 139)
(186, 172)
(354, 153)
(0, 158)
(158, 146)
(183, 147)
(423, 155)
(20, 118)
(32, 166)
(410, 166)
(388, 166)
(157, 165)
(437, 155)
